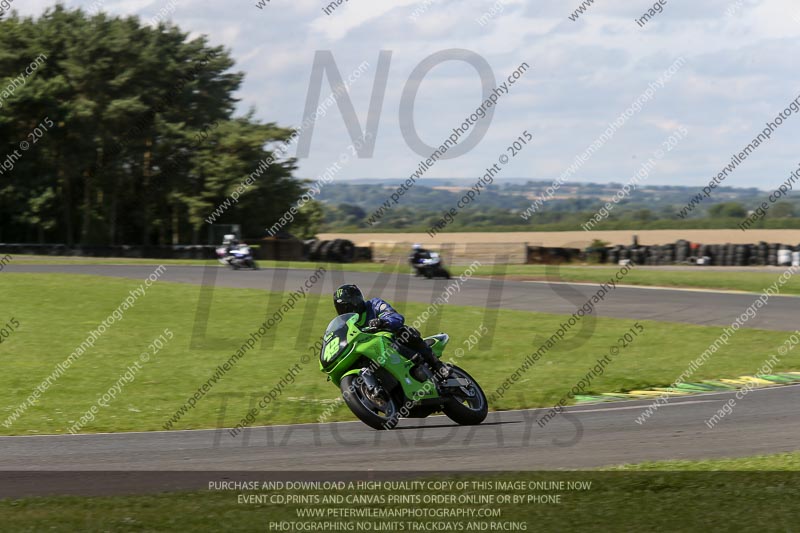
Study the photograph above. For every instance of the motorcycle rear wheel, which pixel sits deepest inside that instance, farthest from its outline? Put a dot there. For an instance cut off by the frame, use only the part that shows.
(467, 409)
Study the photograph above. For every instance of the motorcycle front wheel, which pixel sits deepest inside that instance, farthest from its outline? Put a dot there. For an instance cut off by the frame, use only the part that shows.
(376, 409)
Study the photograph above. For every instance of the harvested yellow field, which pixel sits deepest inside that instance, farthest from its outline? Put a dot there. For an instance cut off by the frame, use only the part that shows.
(576, 239)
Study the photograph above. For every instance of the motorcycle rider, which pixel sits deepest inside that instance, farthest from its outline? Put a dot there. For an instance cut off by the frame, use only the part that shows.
(418, 253)
(377, 313)
(231, 243)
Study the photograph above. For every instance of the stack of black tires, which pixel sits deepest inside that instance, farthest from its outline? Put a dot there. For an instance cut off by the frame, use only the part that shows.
(615, 254)
(684, 252)
(335, 251)
(659, 254)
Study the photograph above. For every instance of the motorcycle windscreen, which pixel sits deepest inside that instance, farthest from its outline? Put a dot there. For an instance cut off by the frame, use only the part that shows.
(338, 335)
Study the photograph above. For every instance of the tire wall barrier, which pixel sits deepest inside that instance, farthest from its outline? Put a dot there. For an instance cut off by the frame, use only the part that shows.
(685, 252)
(344, 251)
(335, 251)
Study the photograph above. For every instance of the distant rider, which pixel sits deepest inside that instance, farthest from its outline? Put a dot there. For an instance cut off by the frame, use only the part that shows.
(418, 253)
(231, 243)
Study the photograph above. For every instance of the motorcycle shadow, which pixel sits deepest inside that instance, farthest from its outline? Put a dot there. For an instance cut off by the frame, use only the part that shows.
(453, 424)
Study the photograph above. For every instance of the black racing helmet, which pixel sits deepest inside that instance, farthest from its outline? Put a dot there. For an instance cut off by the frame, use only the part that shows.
(348, 299)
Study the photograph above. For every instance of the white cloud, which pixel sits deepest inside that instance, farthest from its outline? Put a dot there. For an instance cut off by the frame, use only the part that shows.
(740, 71)
(353, 14)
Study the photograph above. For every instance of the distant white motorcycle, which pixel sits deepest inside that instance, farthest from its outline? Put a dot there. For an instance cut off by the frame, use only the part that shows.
(239, 257)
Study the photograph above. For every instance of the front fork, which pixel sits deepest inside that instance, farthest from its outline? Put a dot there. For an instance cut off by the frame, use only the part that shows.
(369, 380)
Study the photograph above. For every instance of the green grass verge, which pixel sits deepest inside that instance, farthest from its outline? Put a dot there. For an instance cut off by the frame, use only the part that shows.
(78, 260)
(690, 278)
(757, 463)
(55, 313)
(696, 278)
(642, 498)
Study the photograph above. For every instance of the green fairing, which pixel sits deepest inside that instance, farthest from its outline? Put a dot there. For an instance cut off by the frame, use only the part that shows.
(345, 345)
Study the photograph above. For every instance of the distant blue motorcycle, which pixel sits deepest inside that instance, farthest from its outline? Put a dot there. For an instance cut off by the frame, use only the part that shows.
(429, 265)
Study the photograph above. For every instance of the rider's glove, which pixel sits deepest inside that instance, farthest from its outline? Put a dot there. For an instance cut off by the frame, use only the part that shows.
(377, 323)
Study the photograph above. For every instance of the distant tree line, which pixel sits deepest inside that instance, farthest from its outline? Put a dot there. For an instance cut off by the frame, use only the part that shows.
(346, 207)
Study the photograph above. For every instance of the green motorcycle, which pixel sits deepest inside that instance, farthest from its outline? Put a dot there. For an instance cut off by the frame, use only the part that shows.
(380, 385)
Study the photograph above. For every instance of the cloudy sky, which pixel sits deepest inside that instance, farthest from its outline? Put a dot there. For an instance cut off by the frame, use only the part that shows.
(740, 71)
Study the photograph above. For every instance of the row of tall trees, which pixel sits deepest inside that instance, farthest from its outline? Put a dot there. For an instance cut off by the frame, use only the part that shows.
(133, 138)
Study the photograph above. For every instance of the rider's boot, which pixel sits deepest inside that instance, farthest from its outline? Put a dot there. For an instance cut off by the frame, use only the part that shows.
(440, 370)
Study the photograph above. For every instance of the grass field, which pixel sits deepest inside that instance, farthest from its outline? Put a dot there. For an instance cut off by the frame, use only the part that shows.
(748, 494)
(697, 278)
(56, 312)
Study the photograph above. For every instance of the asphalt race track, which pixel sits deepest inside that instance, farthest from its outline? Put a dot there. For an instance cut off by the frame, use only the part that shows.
(585, 436)
(707, 308)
